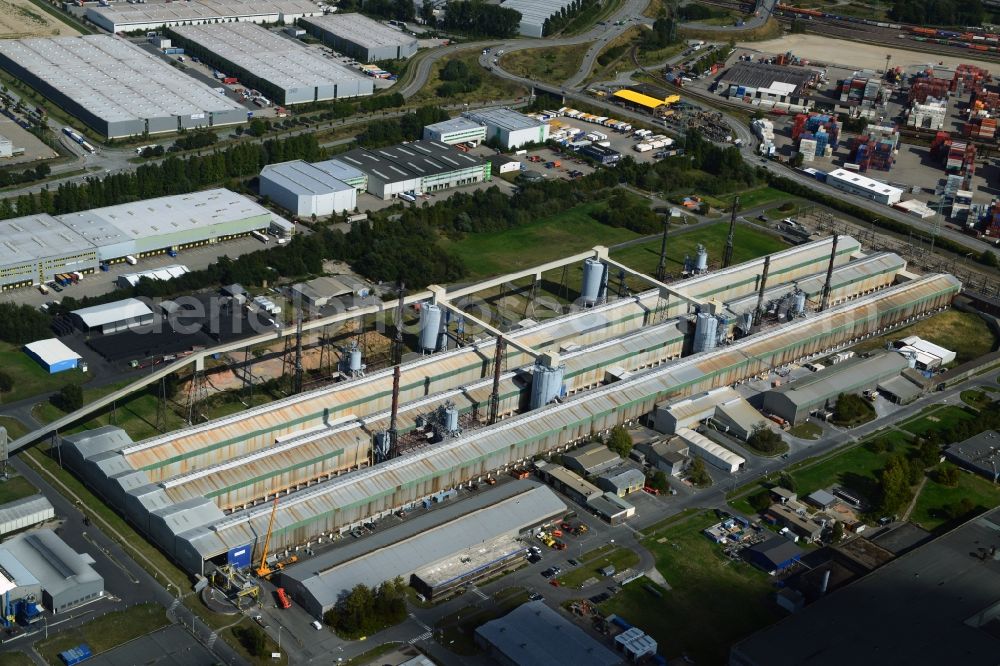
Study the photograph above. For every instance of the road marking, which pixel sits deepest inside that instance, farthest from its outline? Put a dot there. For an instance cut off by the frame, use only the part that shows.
(479, 593)
(422, 637)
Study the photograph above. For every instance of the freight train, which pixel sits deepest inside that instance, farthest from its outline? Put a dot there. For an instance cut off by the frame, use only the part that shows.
(974, 39)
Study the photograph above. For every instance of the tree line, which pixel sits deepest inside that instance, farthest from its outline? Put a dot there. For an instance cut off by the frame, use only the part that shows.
(562, 18)
(408, 127)
(365, 611)
(938, 12)
(479, 19)
(9, 177)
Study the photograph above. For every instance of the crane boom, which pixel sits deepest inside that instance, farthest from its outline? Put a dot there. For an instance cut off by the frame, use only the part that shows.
(263, 570)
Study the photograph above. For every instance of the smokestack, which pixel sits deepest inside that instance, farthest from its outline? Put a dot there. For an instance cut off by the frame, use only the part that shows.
(727, 258)
(397, 344)
(495, 394)
(825, 584)
(393, 434)
(760, 290)
(828, 286)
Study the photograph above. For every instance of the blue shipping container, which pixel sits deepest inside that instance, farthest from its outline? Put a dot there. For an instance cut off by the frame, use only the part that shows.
(76, 655)
(239, 557)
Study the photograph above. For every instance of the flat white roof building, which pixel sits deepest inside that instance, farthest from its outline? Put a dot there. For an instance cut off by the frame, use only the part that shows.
(121, 17)
(534, 14)
(305, 190)
(862, 186)
(360, 37)
(114, 317)
(53, 355)
(35, 248)
(280, 67)
(115, 87)
(704, 448)
(511, 128)
(455, 130)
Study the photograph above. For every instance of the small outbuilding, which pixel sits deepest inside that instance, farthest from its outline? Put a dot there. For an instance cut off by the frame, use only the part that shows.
(774, 555)
(591, 459)
(821, 499)
(53, 355)
(114, 317)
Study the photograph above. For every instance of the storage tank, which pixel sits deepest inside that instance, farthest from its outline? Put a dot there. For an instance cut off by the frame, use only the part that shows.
(688, 264)
(705, 332)
(911, 359)
(546, 384)
(381, 446)
(701, 261)
(430, 327)
(746, 322)
(595, 281)
(451, 419)
(799, 302)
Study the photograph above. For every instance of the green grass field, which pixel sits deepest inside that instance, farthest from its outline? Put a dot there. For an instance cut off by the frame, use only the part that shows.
(492, 89)
(15, 488)
(31, 379)
(757, 197)
(712, 602)
(571, 231)
(964, 333)
(854, 467)
(620, 558)
(940, 418)
(106, 632)
(748, 243)
(259, 660)
(977, 399)
(928, 512)
(15, 659)
(552, 64)
(806, 430)
(14, 427)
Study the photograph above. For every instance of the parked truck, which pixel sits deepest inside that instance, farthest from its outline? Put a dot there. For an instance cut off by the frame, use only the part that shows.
(130, 260)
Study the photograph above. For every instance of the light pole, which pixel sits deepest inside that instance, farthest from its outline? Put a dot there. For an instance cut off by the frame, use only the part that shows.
(279, 638)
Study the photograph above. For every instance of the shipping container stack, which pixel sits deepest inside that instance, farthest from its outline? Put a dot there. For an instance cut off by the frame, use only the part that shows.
(876, 149)
(983, 103)
(925, 87)
(993, 221)
(982, 129)
(968, 77)
(817, 135)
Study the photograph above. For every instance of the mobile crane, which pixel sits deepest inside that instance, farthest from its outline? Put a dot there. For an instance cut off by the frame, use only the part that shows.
(263, 570)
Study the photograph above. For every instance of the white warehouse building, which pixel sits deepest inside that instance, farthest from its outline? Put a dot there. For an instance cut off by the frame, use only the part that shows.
(121, 17)
(534, 13)
(282, 68)
(862, 186)
(715, 455)
(513, 129)
(361, 38)
(305, 189)
(456, 130)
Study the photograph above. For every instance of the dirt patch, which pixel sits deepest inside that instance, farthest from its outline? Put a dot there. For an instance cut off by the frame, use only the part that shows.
(20, 18)
(34, 148)
(855, 54)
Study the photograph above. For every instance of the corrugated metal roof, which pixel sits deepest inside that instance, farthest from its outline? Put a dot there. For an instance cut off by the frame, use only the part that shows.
(698, 440)
(846, 376)
(107, 313)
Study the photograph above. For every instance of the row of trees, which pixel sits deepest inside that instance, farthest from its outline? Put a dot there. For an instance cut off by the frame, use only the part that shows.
(938, 12)
(399, 10)
(404, 128)
(562, 18)
(9, 177)
(365, 611)
(21, 324)
(852, 409)
(481, 20)
(174, 175)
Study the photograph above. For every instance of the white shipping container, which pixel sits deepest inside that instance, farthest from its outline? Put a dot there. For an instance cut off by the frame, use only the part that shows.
(642, 147)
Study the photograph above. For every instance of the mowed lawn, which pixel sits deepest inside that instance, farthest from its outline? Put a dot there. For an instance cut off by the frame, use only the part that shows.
(30, 378)
(505, 251)
(935, 498)
(553, 64)
(106, 632)
(964, 333)
(748, 243)
(712, 603)
(940, 417)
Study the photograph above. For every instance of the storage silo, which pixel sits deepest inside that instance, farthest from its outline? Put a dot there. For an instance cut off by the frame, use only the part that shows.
(701, 260)
(546, 384)
(799, 302)
(595, 281)
(450, 420)
(351, 361)
(430, 327)
(705, 332)
(723, 328)
(381, 446)
(746, 322)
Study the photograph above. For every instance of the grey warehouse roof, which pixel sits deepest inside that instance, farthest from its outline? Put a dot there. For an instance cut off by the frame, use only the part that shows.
(24, 507)
(113, 78)
(362, 30)
(405, 556)
(980, 452)
(458, 124)
(936, 604)
(303, 178)
(535, 635)
(36, 237)
(763, 75)
(846, 376)
(505, 119)
(121, 13)
(50, 560)
(106, 313)
(534, 12)
(284, 63)
(417, 159)
(163, 215)
(340, 170)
